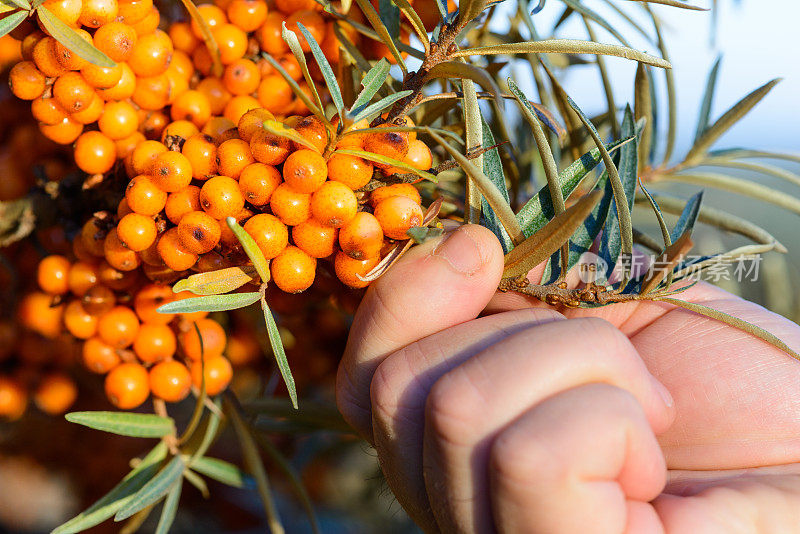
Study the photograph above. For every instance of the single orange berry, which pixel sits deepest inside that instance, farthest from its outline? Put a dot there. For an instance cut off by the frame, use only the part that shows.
(175, 256)
(352, 171)
(123, 89)
(90, 113)
(55, 394)
(69, 59)
(313, 131)
(269, 35)
(37, 313)
(248, 15)
(26, 81)
(199, 232)
(220, 197)
(181, 65)
(151, 54)
(72, 92)
(390, 144)
(153, 93)
(144, 197)
(252, 122)
(118, 255)
(314, 238)
(101, 77)
(95, 13)
(82, 276)
(362, 237)
(213, 340)
(45, 56)
(397, 215)
(98, 356)
(312, 21)
(334, 204)
(127, 386)
(293, 270)
(213, 16)
(170, 381)
(98, 300)
(219, 129)
(119, 119)
(257, 183)
(53, 273)
(214, 373)
(269, 233)
(67, 10)
(290, 206)
(118, 327)
(93, 233)
(47, 111)
(149, 23)
(182, 37)
(171, 171)
(116, 40)
(116, 279)
(145, 154)
(201, 151)
(137, 232)
(233, 156)
(148, 299)
(419, 155)
(232, 42)
(154, 343)
(182, 202)
(78, 321)
(64, 132)
(268, 148)
(351, 271)
(395, 190)
(238, 106)
(305, 171)
(191, 106)
(242, 76)
(95, 153)
(133, 11)
(275, 94)
(177, 132)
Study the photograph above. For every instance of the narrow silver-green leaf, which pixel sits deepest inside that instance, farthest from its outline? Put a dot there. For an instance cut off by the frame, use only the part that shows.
(216, 282)
(688, 217)
(674, 3)
(313, 106)
(211, 303)
(297, 51)
(170, 508)
(760, 168)
(7, 24)
(388, 161)
(21, 4)
(155, 489)
(71, 39)
(325, 68)
(740, 186)
(373, 110)
(280, 355)
(659, 216)
(643, 109)
(708, 100)
(251, 249)
(222, 471)
(136, 425)
(599, 19)
(279, 129)
(373, 81)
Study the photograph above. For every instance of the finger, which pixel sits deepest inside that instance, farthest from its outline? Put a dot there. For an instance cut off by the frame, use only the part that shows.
(435, 286)
(401, 384)
(574, 463)
(469, 405)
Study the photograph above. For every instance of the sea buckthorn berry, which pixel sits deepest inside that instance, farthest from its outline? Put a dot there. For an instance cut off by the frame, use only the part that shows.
(212, 334)
(201, 152)
(390, 144)
(29, 43)
(252, 122)
(154, 343)
(214, 373)
(313, 22)
(269, 233)
(275, 94)
(95, 13)
(144, 197)
(95, 153)
(151, 54)
(362, 237)
(98, 300)
(116, 40)
(199, 232)
(202, 60)
(171, 171)
(124, 88)
(181, 65)
(292, 67)
(150, 257)
(127, 386)
(397, 215)
(37, 313)
(137, 232)
(191, 106)
(352, 171)
(215, 92)
(248, 15)
(101, 77)
(72, 92)
(334, 204)
(232, 42)
(93, 234)
(290, 206)
(419, 155)
(148, 299)
(123, 209)
(13, 399)
(118, 255)
(149, 23)
(182, 202)
(45, 56)
(305, 171)
(117, 279)
(241, 77)
(55, 393)
(176, 133)
(64, 132)
(90, 113)
(257, 183)
(26, 81)
(98, 356)
(314, 238)
(78, 321)
(118, 327)
(182, 37)
(153, 93)
(313, 131)
(53, 274)
(170, 381)
(145, 154)
(219, 129)
(269, 35)
(293, 270)
(268, 148)
(213, 16)
(175, 256)
(395, 190)
(238, 106)
(68, 11)
(233, 156)
(82, 276)
(132, 11)
(220, 197)
(348, 269)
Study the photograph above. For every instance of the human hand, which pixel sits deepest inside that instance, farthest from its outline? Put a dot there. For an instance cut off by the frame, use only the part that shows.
(529, 420)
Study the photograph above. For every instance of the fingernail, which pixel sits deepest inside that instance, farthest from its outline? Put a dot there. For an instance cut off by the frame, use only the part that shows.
(461, 251)
(664, 393)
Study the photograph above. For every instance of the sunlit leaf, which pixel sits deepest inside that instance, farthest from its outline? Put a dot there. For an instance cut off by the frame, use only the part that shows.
(210, 303)
(493, 169)
(20, 4)
(223, 471)
(373, 81)
(759, 168)
(7, 24)
(155, 489)
(373, 110)
(660, 269)
(740, 186)
(473, 199)
(277, 349)
(137, 425)
(251, 249)
(281, 130)
(325, 69)
(297, 51)
(216, 282)
(71, 39)
(643, 109)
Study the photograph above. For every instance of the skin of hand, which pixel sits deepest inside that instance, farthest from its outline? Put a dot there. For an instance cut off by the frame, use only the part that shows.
(491, 412)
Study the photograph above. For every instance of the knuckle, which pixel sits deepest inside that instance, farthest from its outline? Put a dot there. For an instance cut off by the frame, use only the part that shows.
(519, 458)
(452, 409)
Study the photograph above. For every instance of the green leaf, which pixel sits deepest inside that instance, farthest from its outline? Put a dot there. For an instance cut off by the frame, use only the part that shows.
(563, 46)
(708, 100)
(659, 216)
(390, 16)
(7, 24)
(674, 3)
(155, 489)
(643, 109)
(373, 110)
(136, 425)
(539, 209)
(456, 69)
(21, 4)
(493, 169)
(473, 199)
(297, 51)
(216, 282)
(383, 33)
(71, 39)
(222, 471)
(210, 303)
(280, 355)
(114, 500)
(209, 434)
(688, 217)
(373, 81)
(724, 123)
(325, 68)
(740, 186)
(425, 175)
(170, 508)
(251, 249)
(735, 322)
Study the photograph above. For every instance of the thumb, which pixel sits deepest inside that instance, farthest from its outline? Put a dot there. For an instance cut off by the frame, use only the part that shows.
(436, 285)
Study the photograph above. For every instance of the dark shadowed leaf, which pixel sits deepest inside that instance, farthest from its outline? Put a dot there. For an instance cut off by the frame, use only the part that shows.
(708, 100)
(137, 425)
(155, 489)
(688, 217)
(493, 169)
(170, 508)
(390, 16)
(223, 471)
